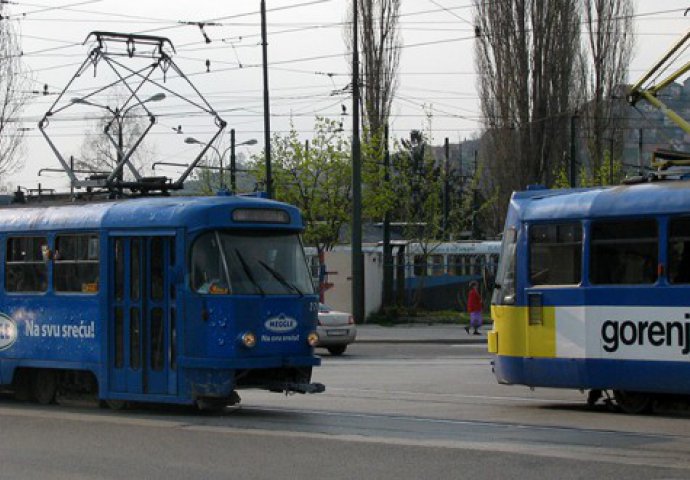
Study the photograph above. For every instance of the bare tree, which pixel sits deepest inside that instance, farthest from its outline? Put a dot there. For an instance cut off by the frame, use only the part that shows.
(13, 96)
(527, 58)
(609, 44)
(379, 40)
(99, 153)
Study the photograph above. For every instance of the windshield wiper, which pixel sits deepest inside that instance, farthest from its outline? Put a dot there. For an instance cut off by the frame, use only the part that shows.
(248, 272)
(281, 279)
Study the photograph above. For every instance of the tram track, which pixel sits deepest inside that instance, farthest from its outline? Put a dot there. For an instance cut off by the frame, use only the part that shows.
(403, 395)
(562, 442)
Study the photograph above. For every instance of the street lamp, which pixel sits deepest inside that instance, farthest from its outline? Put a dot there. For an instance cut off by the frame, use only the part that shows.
(153, 98)
(233, 169)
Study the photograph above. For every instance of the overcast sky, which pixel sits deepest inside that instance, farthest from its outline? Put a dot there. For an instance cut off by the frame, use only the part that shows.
(308, 58)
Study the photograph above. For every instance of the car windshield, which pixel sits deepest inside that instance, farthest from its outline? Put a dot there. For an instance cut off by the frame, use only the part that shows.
(250, 263)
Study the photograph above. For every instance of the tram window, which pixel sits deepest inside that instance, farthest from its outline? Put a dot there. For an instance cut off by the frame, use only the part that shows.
(679, 250)
(172, 251)
(420, 266)
(76, 263)
(475, 262)
(173, 339)
(119, 269)
(437, 265)
(119, 338)
(157, 263)
(504, 294)
(624, 252)
(555, 254)
(493, 263)
(454, 265)
(467, 265)
(26, 269)
(157, 340)
(207, 265)
(135, 270)
(134, 338)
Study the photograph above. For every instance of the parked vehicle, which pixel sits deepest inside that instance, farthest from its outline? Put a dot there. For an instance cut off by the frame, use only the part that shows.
(336, 330)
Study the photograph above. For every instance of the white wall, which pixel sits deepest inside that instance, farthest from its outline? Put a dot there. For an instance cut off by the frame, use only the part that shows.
(339, 266)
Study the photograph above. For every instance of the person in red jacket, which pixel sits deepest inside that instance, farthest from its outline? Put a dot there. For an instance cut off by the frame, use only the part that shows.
(474, 306)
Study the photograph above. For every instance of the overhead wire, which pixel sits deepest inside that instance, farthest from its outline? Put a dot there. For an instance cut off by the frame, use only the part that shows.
(337, 55)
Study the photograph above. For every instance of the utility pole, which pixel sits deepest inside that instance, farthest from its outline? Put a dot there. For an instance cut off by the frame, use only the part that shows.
(233, 166)
(120, 145)
(446, 148)
(611, 161)
(71, 167)
(475, 229)
(573, 151)
(461, 175)
(267, 109)
(357, 258)
(387, 251)
(640, 152)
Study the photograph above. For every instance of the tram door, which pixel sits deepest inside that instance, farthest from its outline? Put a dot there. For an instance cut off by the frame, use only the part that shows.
(142, 315)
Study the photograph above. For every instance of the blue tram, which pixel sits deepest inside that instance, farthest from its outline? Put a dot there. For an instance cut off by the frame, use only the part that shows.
(163, 299)
(593, 291)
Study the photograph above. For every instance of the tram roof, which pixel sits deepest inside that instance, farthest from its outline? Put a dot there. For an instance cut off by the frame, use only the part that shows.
(138, 213)
(655, 198)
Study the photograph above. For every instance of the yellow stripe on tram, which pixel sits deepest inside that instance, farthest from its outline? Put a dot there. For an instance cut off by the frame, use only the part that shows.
(513, 335)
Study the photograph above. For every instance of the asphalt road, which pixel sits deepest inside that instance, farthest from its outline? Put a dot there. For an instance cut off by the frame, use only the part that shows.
(391, 411)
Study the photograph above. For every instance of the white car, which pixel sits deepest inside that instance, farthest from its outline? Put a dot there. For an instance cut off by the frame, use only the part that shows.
(336, 330)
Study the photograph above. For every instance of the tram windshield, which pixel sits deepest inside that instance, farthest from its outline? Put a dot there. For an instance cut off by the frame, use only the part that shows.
(250, 263)
(504, 292)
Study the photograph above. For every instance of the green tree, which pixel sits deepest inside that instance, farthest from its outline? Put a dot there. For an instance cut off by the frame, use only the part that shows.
(416, 183)
(609, 172)
(316, 177)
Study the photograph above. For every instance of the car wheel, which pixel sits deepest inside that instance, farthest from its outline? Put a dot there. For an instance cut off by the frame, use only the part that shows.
(339, 350)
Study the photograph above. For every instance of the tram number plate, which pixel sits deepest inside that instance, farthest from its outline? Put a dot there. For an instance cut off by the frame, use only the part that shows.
(336, 333)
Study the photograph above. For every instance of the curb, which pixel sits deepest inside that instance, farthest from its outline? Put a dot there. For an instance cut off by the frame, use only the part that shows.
(445, 341)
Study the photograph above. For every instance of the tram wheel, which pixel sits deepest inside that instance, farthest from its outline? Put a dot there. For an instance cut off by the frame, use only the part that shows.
(22, 385)
(115, 404)
(211, 405)
(633, 402)
(44, 386)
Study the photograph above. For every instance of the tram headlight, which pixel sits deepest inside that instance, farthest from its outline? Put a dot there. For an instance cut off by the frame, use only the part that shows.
(248, 339)
(312, 339)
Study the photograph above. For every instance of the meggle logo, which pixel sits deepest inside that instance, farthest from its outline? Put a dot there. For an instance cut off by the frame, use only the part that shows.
(280, 324)
(656, 334)
(8, 332)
